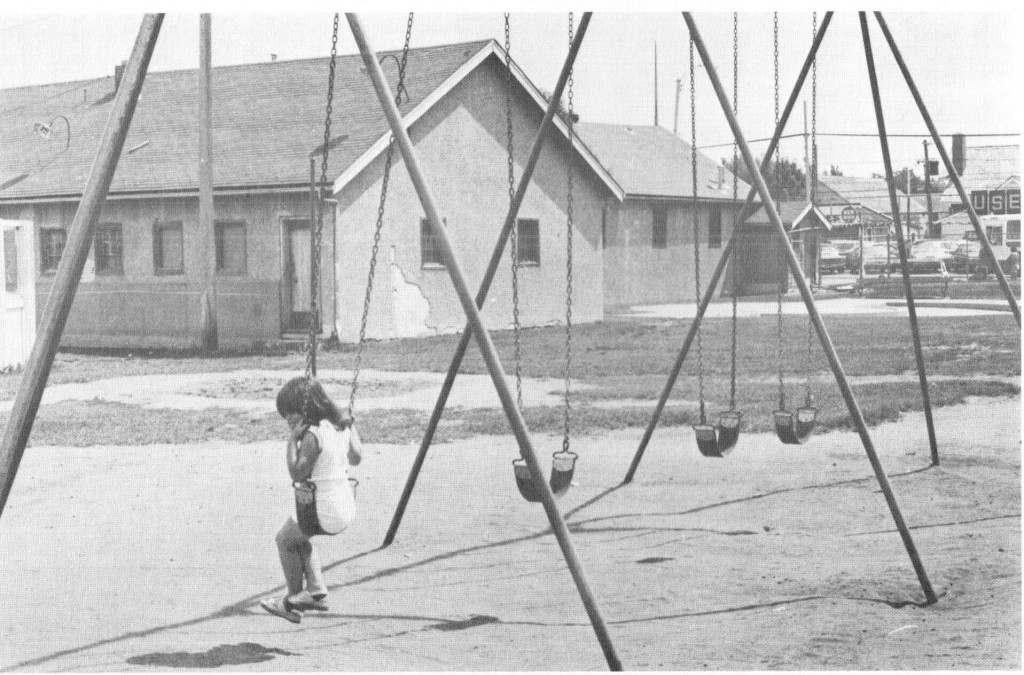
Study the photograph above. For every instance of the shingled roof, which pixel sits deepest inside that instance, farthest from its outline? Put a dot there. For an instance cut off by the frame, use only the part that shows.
(872, 193)
(649, 161)
(268, 119)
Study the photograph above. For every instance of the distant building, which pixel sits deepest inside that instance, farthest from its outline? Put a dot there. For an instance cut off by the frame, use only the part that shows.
(647, 238)
(989, 170)
(872, 208)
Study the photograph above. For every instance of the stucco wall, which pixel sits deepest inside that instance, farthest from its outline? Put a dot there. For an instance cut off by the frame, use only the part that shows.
(461, 145)
(140, 308)
(638, 273)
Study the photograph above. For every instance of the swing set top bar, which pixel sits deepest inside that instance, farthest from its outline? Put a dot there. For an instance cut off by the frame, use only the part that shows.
(483, 338)
(69, 270)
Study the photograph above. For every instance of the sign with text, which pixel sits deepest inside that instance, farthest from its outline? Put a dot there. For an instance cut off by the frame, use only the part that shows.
(996, 202)
(842, 214)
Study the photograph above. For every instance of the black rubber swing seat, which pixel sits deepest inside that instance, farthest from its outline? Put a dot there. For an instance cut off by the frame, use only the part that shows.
(795, 429)
(719, 440)
(563, 465)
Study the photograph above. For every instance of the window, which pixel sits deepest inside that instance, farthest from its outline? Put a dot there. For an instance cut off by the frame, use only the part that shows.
(168, 248)
(11, 261)
(715, 227)
(528, 234)
(995, 235)
(51, 247)
(431, 254)
(604, 227)
(230, 247)
(109, 249)
(1013, 231)
(659, 229)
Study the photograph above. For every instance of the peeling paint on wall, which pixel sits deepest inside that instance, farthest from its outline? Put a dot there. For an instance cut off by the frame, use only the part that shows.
(411, 308)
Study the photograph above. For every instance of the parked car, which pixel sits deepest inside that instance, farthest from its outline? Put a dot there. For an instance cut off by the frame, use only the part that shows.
(930, 256)
(971, 258)
(876, 260)
(830, 260)
(845, 246)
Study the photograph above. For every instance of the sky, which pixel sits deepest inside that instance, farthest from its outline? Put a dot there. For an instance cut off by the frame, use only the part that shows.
(967, 65)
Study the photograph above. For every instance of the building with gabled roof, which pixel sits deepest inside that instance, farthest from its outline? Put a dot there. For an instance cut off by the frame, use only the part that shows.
(986, 168)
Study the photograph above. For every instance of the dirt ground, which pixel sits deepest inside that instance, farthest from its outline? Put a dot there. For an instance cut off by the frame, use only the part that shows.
(776, 557)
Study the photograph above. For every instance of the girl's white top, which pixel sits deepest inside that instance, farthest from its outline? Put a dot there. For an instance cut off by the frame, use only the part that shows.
(335, 503)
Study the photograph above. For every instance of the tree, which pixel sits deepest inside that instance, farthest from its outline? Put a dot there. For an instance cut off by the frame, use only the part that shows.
(786, 183)
(834, 170)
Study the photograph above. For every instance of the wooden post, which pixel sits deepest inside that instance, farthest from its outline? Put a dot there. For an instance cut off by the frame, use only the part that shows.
(69, 271)
(812, 310)
(206, 214)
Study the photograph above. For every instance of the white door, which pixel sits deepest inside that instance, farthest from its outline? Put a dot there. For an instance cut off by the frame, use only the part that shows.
(17, 295)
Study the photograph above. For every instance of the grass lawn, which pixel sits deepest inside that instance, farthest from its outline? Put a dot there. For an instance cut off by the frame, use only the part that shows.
(616, 360)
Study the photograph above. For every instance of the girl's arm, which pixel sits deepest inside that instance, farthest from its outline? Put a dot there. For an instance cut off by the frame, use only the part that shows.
(303, 451)
(355, 447)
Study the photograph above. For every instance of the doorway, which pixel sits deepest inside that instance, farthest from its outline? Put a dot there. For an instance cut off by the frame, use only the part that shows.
(297, 282)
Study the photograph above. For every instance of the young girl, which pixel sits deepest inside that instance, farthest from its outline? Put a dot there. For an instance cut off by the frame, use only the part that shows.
(321, 444)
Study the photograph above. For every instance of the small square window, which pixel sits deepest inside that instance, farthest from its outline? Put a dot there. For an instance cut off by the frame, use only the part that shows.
(230, 247)
(11, 261)
(659, 227)
(528, 237)
(51, 247)
(715, 227)
(109, 249)
(431, 253)
(168, 248)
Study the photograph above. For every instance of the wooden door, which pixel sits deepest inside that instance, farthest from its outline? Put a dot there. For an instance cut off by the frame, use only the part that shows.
(298, 274)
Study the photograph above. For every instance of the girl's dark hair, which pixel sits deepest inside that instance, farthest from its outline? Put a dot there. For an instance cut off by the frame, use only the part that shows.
(308, 398)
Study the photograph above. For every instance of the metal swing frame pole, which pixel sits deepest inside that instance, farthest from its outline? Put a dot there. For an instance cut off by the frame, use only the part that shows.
(812, 310)
(483, 338)
(745, 213)
(900, 240)
(950, 169)
(69, 271)
(485, 285)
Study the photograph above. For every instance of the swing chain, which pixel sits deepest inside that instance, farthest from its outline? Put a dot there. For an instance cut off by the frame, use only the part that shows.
(514, 242)
(388, 160)
(808, 396)
(568, 263)
(696, 232)
(735, 196)
(778, 295)
(318, 225)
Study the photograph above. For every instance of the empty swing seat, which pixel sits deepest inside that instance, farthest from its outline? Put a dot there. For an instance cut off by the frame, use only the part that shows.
(563, 465)
(718, 441)
(795, 429)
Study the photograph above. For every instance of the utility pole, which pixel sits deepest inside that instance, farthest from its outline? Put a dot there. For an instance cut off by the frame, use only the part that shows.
(675, 123)
(655, 84)
(928, 188)
(206, 225)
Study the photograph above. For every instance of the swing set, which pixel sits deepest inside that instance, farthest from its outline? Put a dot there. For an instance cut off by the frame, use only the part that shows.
(713, 439)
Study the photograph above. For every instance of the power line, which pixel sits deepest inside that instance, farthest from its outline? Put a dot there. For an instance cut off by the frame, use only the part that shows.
(26, 23)
(855, 135)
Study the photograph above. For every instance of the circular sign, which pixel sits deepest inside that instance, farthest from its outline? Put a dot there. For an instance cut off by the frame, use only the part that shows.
(849, 215)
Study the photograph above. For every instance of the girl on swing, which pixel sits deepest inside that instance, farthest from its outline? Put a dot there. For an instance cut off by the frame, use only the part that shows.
(322, 443)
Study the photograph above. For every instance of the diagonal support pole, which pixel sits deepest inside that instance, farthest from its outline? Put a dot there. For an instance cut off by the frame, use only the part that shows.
(483, 339)
(900, 241)
(745, 213)
(812, 310)
(485, 285)
(950, 169)
(69, 271)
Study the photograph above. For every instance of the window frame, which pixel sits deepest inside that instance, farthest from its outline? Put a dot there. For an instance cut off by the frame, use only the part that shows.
(218, 244)
(159, 267)
(526, 257)
(119, 258)
(10, 237)
(44, 256)
(659, 227)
